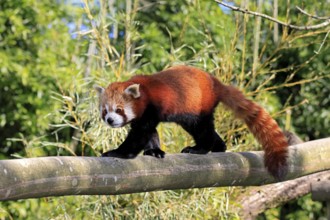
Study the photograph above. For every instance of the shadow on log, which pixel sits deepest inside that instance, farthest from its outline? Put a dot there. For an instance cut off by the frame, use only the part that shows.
(58, 176)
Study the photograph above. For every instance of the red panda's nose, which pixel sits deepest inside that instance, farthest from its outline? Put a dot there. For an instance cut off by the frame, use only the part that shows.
(110, 121)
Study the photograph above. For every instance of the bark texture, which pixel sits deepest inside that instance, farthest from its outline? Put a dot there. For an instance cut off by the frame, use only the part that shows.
(258, 199)
(58, 176)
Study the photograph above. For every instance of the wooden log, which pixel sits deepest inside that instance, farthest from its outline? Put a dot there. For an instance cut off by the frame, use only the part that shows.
(321, 190)
(256, 200)
(58, 176)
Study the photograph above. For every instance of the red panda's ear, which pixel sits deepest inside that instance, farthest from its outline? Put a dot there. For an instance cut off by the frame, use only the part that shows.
(133, 90)
(99, 89)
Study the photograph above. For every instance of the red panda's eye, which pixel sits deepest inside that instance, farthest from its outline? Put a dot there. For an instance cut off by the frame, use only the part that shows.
(119, 110)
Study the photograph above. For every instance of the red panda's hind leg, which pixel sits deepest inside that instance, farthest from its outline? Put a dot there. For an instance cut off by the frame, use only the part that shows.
(205, 136)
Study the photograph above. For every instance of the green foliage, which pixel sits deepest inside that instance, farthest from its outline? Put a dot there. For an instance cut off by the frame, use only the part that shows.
(35, 57)
(181, 31)
(199, 204)
(49, 106)
(304, 208)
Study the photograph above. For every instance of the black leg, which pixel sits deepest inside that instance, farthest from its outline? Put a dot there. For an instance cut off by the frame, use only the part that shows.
(142, 136)
(131, 147)
(219, 145)
(205, 136)
(153, 147)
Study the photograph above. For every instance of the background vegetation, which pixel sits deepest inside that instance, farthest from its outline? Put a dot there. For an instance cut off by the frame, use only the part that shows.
(52, 52)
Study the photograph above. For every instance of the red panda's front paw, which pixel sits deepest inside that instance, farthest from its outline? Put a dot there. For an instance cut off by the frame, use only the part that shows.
(116, 153)
(156, 152)
(194, 150)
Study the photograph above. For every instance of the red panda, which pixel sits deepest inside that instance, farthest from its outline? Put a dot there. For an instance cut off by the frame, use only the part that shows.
(187, 96)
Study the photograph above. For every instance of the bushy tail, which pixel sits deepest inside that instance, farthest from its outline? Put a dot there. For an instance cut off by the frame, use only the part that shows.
(262, 125)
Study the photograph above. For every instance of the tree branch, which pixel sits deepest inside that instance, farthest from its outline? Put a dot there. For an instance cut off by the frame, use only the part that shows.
(57, 176)
(321, 190)
(311, 27)
(312, 16)
(256, 200)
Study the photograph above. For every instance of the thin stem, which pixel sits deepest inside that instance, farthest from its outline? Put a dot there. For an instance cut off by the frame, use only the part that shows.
(246, 11)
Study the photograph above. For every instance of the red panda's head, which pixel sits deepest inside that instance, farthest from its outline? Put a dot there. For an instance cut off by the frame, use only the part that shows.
(117, 103)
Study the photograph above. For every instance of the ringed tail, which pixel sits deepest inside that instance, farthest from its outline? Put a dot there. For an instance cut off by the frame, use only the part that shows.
(263, 127)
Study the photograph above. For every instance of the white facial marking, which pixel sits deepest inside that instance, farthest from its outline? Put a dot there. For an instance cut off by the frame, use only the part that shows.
(129, 112)
(118, 120)
(112, 118)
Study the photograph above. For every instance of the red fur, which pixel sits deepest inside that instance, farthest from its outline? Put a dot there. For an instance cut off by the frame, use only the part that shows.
(179, 90)
(188, 90)
(263, 127)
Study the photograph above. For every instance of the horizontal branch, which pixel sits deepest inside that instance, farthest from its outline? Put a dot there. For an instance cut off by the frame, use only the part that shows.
(58, 176)
(311, 27)
(256, 200)
(321, 190)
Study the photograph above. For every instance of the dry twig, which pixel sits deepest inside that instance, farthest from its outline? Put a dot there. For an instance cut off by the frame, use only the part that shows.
(296, 27)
